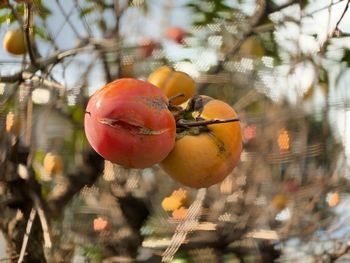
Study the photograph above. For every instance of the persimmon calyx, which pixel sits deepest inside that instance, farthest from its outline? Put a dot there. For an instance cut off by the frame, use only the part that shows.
(130, 127)
(179, 95)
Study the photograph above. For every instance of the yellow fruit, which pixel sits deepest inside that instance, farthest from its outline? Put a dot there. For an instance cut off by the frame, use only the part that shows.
(52, 164)
(172, 83)
(13, 123)
(14, 42)
(182, 194)
(171, 203)
(280, 201)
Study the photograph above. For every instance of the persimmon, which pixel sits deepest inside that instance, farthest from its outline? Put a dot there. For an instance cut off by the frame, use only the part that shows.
(173, 83)
(13, 123)
(100, 224)
(147, 46)
(180, 213)
(176, 34)
(14, 42)
(182, 194)
(52, 163)
(128, 123)
(205, 156)
(171, 203)
(279, 201)
(333, 199)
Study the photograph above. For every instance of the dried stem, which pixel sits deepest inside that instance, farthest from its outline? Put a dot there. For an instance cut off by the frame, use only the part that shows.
(342, 16)
(186, 124)
(27, 26)
(26, 235)
(179, 95)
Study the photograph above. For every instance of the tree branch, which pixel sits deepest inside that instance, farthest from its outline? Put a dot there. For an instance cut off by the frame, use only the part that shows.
(342, 16)
(28, 11)
(85, 174)
(43, 63)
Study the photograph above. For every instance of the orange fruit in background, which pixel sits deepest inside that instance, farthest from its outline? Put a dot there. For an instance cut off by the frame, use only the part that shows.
(13, 123)
(176, 34)
(100, 224)
(52, 163)
(172, 83)
(279, 201)
(171, 203)
(147, 46)
(180, 213)
(14, 42)
(333, 199)
(182, 194)
(204, 159)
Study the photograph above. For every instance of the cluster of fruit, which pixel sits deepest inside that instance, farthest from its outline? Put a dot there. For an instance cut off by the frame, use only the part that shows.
(177, 203)
(134, 123)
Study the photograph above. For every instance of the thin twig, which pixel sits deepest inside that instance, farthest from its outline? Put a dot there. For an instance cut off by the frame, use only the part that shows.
(342, 16)
(26, 235)
(44, 223)
(186, 124)
(83, 18)
(66, 17)
(179, 95)
(8, 259)
(322, 8)
(43, 63)
(280, 7)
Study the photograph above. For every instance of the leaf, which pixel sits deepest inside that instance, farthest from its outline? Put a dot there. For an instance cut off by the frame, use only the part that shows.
(346, 57)
(44, 11)
(10, 18)
(87, 10)
(41, 33)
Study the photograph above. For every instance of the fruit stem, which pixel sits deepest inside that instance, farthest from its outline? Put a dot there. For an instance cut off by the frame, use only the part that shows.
(171, 99)
(186, 124)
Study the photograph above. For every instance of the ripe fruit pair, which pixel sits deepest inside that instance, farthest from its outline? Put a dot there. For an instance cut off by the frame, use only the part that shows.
(129, 123)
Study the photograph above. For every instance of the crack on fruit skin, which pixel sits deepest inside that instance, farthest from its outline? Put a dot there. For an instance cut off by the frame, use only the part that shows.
(219, 144)
(130, 127)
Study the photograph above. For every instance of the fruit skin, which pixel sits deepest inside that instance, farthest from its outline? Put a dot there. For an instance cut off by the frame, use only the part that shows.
(175, 34)
(172, 83)
(52, 163)
(128, 123)
(14, 42)
(206, 159)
